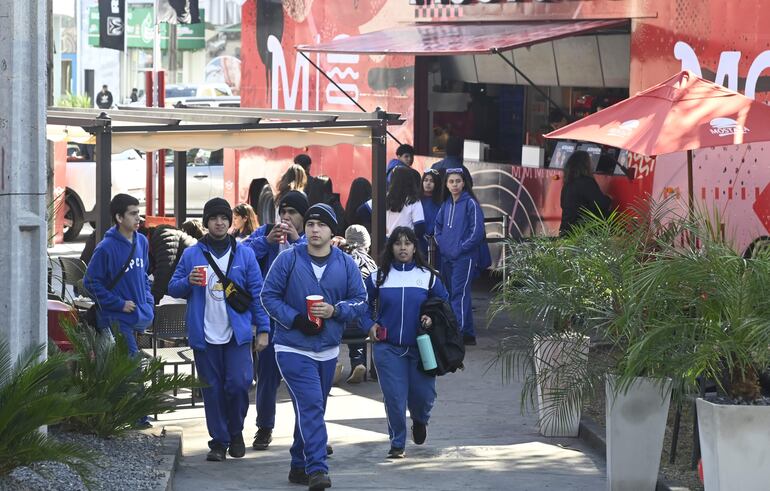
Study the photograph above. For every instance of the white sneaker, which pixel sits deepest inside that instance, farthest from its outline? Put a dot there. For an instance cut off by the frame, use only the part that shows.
(357, 375)
(338, 373)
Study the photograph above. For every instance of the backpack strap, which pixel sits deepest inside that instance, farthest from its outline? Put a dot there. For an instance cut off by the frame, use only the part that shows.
(122, 271)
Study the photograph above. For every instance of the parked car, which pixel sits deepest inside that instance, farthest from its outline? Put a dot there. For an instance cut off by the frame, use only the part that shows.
(181, 92)
(204, 181)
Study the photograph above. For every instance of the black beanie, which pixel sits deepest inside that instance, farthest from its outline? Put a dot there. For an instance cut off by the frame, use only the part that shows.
(323, 213)
(214, 207)
(294, 199)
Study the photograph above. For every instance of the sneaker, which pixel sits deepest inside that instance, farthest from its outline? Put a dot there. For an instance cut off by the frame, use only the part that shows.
(469, 340)
(329, 450)
(297, 475)
(262, 439)
(237, 447)
(338, 373)
(357, 374)
(419, 432)
(218, 453)
(319, 480)
(396, 453)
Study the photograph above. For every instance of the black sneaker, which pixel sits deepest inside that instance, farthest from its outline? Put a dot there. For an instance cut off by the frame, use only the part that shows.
(396, 453)
(329, 449)
(297, 475)
(419, 432)
(237, 447)
(262, 439)
(218, 453)
(319, 480)
(469, 340)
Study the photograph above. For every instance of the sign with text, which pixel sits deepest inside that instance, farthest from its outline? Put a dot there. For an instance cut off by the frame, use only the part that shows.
(140, 27)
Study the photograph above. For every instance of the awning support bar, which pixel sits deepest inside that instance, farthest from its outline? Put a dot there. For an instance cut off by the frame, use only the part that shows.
(529, 80)
(359, 106)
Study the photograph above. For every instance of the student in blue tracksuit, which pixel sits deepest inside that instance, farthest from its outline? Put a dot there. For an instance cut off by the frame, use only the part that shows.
(129, 304)
(219, 335)
(267, 242)
(460, 234)
(404, 158)
(431, 202)
(402, 284)
(307, 352)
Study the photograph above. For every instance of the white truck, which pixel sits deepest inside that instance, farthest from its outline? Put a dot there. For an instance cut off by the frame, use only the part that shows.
(204, 181)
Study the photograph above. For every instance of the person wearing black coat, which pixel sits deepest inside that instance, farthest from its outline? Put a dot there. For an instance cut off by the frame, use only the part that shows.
(580, 193)
(166, 246)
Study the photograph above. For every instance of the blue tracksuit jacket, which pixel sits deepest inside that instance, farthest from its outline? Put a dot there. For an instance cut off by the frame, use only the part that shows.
(459, 228)
(402, 294)
(264, 250)
(109, 256)
(244, 271)
(291, 279)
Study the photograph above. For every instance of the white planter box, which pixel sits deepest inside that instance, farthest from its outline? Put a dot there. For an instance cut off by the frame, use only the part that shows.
(735, 446)
(550, 355)
(636, 423)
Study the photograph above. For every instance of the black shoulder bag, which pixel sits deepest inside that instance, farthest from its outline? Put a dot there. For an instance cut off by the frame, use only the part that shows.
(91, 312)
(235, 296)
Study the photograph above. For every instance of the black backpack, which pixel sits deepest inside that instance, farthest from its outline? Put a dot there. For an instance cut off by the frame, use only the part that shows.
(445, 336)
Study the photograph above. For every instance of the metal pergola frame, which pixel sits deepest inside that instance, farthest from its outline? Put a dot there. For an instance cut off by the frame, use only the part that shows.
(102, 124)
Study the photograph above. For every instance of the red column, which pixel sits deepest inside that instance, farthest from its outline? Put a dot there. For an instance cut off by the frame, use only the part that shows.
(161, 153)
(150, 181)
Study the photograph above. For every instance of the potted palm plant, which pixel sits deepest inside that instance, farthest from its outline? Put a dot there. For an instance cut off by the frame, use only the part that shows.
(585, 282)
(711, 321)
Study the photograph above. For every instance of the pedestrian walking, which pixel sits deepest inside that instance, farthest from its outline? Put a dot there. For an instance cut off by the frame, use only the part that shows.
(402, 202)
(267, 242)
(222, 282)
(117, 278)
(311, 291)
(357, 243)
(403, 282)
(459, 232)
(104, 98)
(431, 202)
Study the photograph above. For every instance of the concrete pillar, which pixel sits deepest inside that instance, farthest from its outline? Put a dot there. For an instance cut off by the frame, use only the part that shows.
(22, 173)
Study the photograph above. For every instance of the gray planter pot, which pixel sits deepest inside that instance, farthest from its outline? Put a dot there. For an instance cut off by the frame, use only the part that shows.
(636, 423)
(735, 446)
(554, 359)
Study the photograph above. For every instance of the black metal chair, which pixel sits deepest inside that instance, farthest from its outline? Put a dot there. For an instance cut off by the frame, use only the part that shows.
(169, 340)
(72, 272)
(349, 338)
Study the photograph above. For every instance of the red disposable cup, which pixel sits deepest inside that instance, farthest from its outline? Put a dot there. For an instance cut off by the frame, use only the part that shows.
(311, 300)
(202, 271)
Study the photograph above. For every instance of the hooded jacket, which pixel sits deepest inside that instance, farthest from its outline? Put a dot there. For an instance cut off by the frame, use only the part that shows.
(109, 256)
(291, 279)
(244, 271)
(405, 289)
(264, 251)
(459, 228)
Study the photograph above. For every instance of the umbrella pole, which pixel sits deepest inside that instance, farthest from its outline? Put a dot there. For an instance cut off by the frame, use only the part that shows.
(690, 194)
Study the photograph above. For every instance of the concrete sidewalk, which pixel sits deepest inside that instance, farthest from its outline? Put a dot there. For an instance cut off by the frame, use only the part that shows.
(477, 439)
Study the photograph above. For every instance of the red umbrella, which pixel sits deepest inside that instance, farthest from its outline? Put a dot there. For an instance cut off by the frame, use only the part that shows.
(683, 113)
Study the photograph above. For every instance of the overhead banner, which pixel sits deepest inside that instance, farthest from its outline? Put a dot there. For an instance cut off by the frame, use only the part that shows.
(140, 30)
(112, 26)
(178, 11)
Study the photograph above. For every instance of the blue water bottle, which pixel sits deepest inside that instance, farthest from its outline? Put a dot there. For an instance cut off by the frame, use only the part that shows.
(427, 356)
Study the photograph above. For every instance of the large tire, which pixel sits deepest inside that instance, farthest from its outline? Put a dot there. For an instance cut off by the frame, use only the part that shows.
(261, 199)
(166, 246)
(73, 218)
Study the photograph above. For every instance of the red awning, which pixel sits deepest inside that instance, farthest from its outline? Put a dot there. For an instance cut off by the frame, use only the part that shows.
(459, 38)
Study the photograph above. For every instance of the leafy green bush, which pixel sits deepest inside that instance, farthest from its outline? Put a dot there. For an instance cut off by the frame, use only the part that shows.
(30, 397)
(130, 387)
(75, 100)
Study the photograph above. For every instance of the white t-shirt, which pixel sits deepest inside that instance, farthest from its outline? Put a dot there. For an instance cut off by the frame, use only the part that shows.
(407, 217)
(216, 323)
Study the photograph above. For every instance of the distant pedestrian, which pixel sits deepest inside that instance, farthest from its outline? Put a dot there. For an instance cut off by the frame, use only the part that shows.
(460, 234)
(244, 221)
(267, 242)
(453, 158)
(404, 158)
(357, 244)
(293, 179)
(581, 193)
(220, 335)
(402, 203)
(431, 201)
(104, 98)
(321, 190)
(306, 350)
(396, 291)
(360, 192)
(303, 160)
(134, 94)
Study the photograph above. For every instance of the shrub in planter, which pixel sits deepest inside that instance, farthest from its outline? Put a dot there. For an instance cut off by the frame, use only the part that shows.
(129, 387)
(30, 398)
